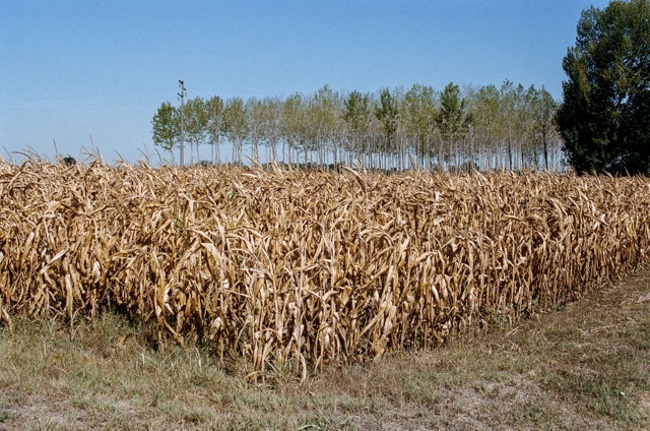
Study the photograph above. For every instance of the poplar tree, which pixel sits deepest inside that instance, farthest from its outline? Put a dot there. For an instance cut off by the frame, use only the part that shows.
(214, 107)
(196, 123)
(166, 128)
(235, 126)
(452, 121)
(387, 112)
(356, 115)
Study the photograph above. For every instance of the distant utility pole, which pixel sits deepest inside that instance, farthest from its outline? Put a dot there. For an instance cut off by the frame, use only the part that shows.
(182, 95)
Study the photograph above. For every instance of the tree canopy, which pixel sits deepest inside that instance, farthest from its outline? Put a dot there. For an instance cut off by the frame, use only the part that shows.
(605, 117)
(456, 128)
(165, 127)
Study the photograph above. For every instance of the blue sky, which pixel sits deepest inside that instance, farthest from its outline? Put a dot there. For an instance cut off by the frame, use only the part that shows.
(72, 69)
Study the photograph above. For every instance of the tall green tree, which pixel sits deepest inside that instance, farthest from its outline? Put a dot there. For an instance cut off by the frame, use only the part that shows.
(255, 120)
(387, 112)
(486, 114)
(214, 107)
(356, 115)
(235, 126)
(605, 117)
(293, 125)
(542, 112)
(196, 125)
(453, 121)
(325, 109)
(512, 114)
(166, 128)
(271, 125)
(418, 116)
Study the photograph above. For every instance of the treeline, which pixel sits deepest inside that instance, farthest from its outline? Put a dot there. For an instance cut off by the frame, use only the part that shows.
(511, 127)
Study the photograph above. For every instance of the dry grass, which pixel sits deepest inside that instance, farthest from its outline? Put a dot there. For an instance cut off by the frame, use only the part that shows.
(582, 368)
(291, 270)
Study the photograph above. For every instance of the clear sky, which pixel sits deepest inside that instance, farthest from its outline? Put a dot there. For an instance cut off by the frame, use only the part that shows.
(72, 69)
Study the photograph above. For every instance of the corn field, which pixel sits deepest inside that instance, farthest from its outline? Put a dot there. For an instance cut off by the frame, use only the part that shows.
(302, 268)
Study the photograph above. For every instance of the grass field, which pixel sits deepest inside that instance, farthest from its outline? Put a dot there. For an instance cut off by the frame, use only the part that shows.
(582, 367)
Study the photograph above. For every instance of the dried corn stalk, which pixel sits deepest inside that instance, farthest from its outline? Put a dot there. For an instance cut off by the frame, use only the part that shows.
(303, 268)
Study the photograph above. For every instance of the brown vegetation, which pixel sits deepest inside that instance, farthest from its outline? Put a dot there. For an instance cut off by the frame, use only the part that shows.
(301, 268)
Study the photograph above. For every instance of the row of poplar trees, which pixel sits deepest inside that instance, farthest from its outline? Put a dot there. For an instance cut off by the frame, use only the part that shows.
(511, 127)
